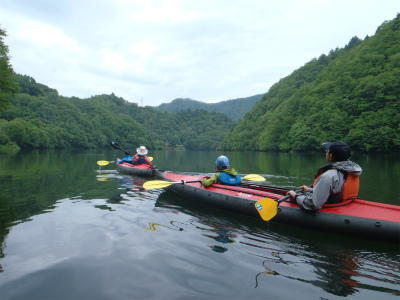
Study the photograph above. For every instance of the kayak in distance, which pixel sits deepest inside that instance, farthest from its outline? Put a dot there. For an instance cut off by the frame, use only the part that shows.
(358, 218)
(130, 168)
(139, 170)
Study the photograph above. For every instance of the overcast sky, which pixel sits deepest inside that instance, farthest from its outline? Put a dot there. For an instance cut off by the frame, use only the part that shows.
(206, 50)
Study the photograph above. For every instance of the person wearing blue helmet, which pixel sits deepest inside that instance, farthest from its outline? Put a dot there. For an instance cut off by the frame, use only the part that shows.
(224, 175)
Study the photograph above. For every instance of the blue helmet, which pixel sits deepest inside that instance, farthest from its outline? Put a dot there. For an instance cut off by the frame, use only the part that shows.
(222, 162)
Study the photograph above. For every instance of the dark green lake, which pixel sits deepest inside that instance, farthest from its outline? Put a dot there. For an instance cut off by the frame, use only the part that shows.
(70, 231)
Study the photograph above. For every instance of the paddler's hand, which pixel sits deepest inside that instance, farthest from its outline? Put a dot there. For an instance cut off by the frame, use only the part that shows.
(304, 188)
(205, 181)
(292, 194)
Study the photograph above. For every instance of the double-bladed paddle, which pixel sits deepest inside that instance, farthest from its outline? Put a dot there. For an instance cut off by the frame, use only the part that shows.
(268, 208)
(159, 184)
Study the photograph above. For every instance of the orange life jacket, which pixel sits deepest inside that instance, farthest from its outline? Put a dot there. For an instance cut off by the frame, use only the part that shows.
(350, 187)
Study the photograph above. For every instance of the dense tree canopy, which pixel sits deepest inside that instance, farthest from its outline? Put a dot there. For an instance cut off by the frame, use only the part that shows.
(352, 94)
(7, 86)
(40, 118)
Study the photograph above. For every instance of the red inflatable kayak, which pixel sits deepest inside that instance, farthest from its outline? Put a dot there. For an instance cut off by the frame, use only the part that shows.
(140, 170)
(360, 218)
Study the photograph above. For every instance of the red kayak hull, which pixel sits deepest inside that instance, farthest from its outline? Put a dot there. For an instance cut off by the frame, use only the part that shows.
(360, 218)
(139, 170)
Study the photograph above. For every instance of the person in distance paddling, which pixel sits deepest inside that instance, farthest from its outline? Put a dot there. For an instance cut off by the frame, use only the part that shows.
(335, 182)
(139, 158)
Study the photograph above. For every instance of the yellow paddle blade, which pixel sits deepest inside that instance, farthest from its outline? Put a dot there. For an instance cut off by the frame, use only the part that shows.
(103, 163)
(254, 177)
(156, 184)
(151, 159)
(267, 208)
(102, 178)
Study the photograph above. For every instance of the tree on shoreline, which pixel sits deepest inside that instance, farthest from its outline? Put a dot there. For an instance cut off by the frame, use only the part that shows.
(7, 86)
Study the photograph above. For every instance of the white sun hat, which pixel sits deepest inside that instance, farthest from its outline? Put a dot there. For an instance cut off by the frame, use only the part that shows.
(142, 150)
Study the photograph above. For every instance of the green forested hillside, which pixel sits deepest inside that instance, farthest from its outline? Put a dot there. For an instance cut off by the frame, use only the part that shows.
(40, 118)
(352, 94)
(7, 86)
(235, 109)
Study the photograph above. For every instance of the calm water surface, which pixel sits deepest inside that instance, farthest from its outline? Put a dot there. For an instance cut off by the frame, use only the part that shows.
(70, 231)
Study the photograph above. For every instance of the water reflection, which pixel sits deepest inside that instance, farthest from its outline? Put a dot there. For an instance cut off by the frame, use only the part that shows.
(104, 207)
(153, 226)
(83, 231)
(221, 234)
(332, 263)
(340, 271)
(326, 277)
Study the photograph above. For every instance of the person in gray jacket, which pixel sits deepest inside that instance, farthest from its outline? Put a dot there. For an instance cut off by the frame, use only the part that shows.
(335, 182)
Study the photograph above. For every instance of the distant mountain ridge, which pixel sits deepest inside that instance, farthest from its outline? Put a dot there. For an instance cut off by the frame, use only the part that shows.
(234, 109)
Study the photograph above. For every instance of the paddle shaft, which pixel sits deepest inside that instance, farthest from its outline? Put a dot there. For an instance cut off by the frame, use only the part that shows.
(116, 146)
(275, 189)
(287, 197)
(183, 182)
(284, 198)
(268, 187)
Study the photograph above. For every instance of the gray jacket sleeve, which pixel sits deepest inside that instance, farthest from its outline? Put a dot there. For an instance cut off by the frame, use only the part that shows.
(328, 183)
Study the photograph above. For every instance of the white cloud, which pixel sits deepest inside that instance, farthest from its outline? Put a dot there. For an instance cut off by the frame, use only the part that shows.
(144, 47)
(162, 11)
(161, 50)
(113, 60)
(44, 36)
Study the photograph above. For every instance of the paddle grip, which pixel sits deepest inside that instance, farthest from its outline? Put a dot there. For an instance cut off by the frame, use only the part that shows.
(288, 196)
